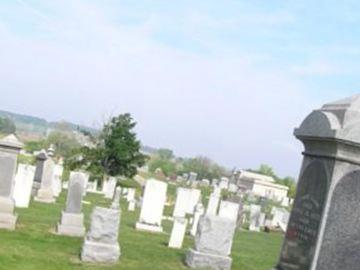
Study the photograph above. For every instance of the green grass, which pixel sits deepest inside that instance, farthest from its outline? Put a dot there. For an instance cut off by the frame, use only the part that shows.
(33, 246)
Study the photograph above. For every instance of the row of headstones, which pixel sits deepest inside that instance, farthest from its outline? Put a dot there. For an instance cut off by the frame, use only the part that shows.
(258, 220)
(213, 229)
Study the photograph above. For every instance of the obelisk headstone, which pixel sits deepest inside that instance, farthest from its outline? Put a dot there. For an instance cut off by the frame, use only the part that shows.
(10, 147)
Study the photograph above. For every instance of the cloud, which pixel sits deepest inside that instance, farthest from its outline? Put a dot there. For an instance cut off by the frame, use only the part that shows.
(317, 68)
(85, 66)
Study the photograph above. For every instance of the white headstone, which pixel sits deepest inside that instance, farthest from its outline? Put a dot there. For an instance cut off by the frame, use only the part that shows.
(57, 184)
(23, 184)
(199, 211)
(178, 232)
(213, 204)
(131, 194)
(255, 211)
(186, 201)
(110, 186)
(46, 193)
(229, 210)
(152, 206)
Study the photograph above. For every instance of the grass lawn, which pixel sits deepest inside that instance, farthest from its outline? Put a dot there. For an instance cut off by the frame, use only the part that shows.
(33, 246)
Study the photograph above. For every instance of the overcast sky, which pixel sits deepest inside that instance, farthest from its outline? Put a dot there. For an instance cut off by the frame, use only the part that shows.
(225, 79)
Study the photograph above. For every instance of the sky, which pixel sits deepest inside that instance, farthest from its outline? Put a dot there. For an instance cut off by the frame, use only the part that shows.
(225, 79)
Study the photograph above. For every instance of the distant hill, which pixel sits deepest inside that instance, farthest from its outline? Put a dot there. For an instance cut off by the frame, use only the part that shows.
(38, 127)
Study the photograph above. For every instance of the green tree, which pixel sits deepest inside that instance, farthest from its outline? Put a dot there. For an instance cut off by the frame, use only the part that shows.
(167, 166)
(204, 167)
(117, 151)
(7, 126)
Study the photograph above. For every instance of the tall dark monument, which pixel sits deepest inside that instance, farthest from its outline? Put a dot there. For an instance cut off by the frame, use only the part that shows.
(324, 227)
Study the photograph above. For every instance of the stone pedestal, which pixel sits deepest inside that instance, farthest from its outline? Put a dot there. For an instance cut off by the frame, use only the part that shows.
(99, 252)
(9, 149)
(101, 243)
(196, 259)
(45, 196)
(148, 227)
(7, 216)
(71, 225)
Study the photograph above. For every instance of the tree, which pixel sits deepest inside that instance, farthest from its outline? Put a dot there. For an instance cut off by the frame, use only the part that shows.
(204, 167)
(64, 143)
(7, 126)
(117, 151)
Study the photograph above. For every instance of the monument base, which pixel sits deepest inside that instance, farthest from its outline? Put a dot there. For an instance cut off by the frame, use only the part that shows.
(196, 259)
(71, 225)
(45, 196)
(8, 221)
(148, 227)
(96, 252)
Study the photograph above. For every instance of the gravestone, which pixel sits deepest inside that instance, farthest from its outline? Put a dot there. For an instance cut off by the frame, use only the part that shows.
(131, 194)
(101, 242)
(132, 205)
(224, 183)
(46, 193)
(199, 211)
(40, 162)
(9, 150)
(213, 202)
(178, 232)
(57, 184)
(255, 212)
(152, 206)
(23, 185)
(323, 230)
(109, 187)
(116, 201)
(192, 176)
(72, 219)
(186, 200)
(229, 210)
(213, 243)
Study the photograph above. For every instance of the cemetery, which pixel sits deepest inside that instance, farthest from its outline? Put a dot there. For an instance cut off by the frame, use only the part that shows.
(142, 222)
(179, 135)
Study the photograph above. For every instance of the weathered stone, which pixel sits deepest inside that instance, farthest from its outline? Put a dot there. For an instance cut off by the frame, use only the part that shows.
(178, 232)
(116, 201)
(46, 193)
(109, 187)
(9, 149)
(23, 184)
(323, 230)
(199, 211)
(72, 220)
(213, 204)
(101, 242)
(57, 184)
(255, 212)
(213, 243)
(186, 201)
(152, 206)
(131, 194)
(229, 210)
